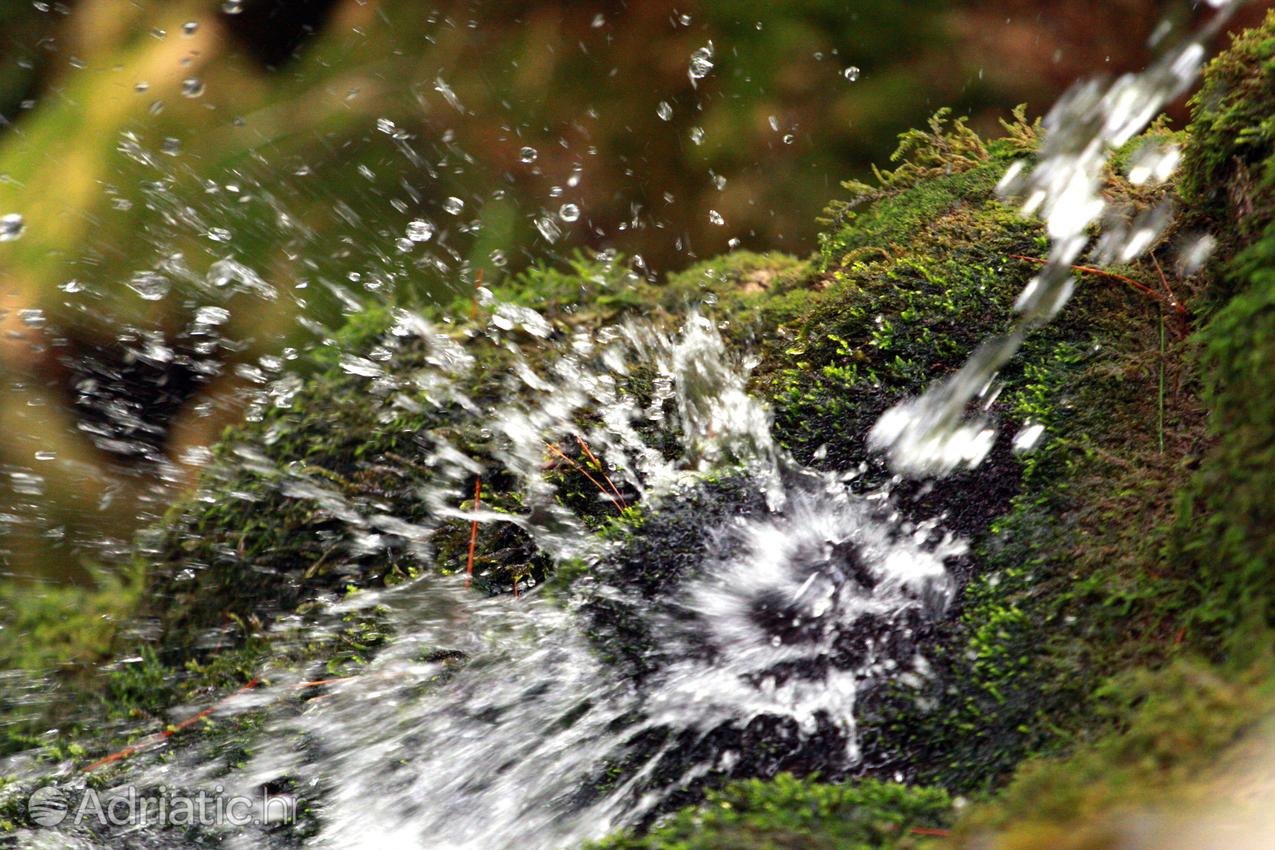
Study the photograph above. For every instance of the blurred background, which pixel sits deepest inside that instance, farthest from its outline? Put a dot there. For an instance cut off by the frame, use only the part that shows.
(193, 192)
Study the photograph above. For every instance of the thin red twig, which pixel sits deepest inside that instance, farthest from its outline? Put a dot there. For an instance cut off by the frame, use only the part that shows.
(478, 284)
(1141, 287)
(1164, 280)
(598, 463)
(169, 732)
(177, 727)
(473, 533)
(585, 473)
(931, 831)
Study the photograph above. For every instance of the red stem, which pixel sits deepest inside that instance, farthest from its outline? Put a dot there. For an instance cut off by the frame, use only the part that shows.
(473, 533)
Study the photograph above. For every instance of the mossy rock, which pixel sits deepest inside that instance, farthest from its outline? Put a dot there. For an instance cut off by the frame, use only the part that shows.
(1135, 538)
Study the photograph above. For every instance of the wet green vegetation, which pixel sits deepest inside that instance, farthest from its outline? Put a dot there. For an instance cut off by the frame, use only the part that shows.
(1112, 633)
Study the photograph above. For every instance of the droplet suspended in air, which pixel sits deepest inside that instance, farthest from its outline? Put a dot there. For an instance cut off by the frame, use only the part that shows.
(701, 64)
(548, 228)
(569, 212)
(697, 135)
(453, 205)
(190, 28)
(420, 230)
(664, 110)
(151, 286)
(12, 226)
(232, 7)
(851, 73)
(716, 218)
(192, 87)
(1026, 439)
(527, 155)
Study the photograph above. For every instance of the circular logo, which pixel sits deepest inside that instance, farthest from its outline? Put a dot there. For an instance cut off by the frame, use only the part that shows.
(47, 806)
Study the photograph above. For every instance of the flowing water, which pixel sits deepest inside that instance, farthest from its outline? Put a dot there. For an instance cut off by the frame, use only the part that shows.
(559, 716)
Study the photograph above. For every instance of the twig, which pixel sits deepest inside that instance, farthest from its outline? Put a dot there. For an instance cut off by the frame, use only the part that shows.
(932, 831)
(169, 732)
(473, 533)
(165, 734)
(1164, 280)
(478, 284)
(598, 464)
(1141, 287)
(586, 474)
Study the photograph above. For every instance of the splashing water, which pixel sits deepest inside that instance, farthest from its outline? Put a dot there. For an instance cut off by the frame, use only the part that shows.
(488, 724)
(932, 435)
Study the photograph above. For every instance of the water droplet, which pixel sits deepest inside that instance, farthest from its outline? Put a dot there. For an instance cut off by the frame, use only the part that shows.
(171, 146)
(453, 205)
(527, 155)
(701, 64)
(716, 218)
(599, 20)
(773, 121)
(548, 228)
(697, 135)
(1195, 253)
(11, 227)
(152, 286)
(420, 230)
(664, 110)
(1027, 438)
(219, 234)
(789, 139)
(190, 28)
(192, 87)
(211, 316)
(497, 258)
(232, 7)
(141, 87)
(46, 455)
(569, 212)
(851, 73)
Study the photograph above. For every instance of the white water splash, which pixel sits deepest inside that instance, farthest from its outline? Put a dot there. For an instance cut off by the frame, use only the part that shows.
(784, 617)
(937, 432)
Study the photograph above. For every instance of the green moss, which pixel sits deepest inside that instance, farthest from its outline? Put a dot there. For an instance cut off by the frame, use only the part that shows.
(1168, 731)
(787, 813)
(1227, 173)
(1222, 541)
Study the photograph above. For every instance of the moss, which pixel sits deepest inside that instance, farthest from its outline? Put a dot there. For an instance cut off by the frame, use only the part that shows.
(787, 813)
(1168, 732)
(1137, 535)
(1222, 541)
(1227, 173)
